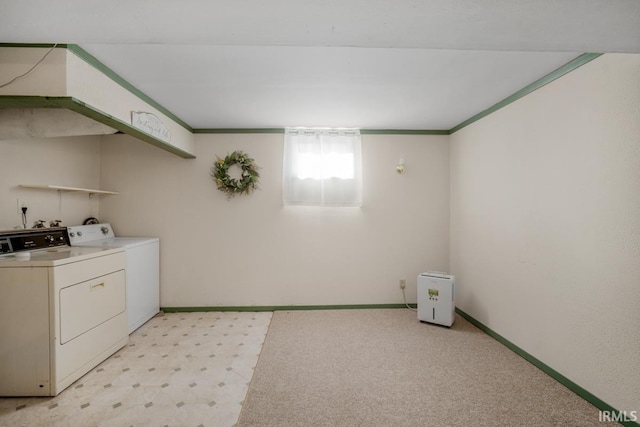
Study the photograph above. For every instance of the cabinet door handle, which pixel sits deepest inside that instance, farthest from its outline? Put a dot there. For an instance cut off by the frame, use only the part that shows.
(97, 286)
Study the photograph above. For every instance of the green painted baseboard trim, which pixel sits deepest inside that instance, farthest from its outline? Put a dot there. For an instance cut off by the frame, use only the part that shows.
(586, 395)
(282, 307)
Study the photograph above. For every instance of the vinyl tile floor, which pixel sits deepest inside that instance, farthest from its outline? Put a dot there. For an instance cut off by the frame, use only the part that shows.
(178, 369)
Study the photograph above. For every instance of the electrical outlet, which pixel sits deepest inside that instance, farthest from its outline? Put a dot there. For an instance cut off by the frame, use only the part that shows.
(403, 283)
(21, 204)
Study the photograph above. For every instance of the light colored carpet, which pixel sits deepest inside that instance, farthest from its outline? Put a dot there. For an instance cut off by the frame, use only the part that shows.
(384, 368)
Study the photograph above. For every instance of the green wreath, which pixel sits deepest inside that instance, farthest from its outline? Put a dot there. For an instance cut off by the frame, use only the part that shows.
(248, 180)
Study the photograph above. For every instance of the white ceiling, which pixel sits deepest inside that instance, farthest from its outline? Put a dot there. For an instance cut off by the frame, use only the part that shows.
(376, 64)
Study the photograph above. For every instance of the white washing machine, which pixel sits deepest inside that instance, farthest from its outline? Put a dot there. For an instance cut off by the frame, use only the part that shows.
(142, 269)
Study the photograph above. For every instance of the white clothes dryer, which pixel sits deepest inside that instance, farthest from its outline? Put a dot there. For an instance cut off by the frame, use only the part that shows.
(62, 310)
(142, 269)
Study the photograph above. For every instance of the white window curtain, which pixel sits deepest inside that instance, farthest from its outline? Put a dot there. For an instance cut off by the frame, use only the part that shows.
(322, 167)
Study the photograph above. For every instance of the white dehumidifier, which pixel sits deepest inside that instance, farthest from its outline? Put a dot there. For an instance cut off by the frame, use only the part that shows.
(435, 298)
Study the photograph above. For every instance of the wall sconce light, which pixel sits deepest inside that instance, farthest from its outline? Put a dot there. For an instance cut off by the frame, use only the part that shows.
(400, 166)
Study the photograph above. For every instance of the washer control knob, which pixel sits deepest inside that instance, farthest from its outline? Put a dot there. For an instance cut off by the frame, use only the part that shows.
(79, 233)
(72, 234)
(104, 230)
(48, 238)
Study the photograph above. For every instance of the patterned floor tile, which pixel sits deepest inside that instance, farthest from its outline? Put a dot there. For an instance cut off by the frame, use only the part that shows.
(179, 369)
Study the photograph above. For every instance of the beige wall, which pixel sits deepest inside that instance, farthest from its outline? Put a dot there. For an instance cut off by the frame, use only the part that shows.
(69, 161)
(254, 251)
(544, 221)
(545, 229)
(49, 78)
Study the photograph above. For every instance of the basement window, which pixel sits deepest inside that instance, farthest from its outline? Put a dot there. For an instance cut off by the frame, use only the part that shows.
(322, 167)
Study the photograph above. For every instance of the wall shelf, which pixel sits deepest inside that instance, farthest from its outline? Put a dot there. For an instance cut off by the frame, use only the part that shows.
(69, 189)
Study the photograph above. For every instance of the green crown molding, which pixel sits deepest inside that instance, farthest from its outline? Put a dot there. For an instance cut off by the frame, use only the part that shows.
(40, 45)
(94, 62)
(11, 101)
(403, 132)
(567, 68)
(87, 57)
(99, 116)
(362, 131)
(586, 395)
(91, 60)
(73, 104)
(240, 130)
